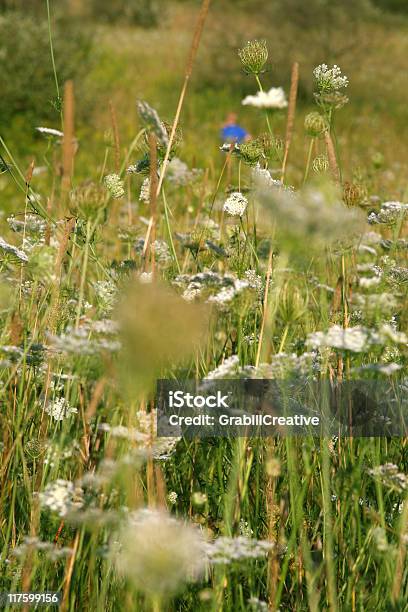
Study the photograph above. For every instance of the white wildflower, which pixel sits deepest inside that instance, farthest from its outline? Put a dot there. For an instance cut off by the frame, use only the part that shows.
(355, 339)
(236, 204)
(172, 498)
(60, 409)
(329, 79)
(61, 496)
(159, 553)
(390, 213)
(228, 368)
(50, 132)
(144, 195)
(227, 294)
(254, 280)
(107, 293)
(13, 250)
(225, 550)
(274, 98)
(390, 476)
(368, 282)
(50, 550)
(114, 185)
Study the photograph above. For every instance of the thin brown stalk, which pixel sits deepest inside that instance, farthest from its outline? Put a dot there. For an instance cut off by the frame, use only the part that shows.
(153, 194)
(48, 228)
(202, 16)
(116, 139)
(265, 308)
(68, 573)
(29, 174)
(294, 82)
(68, 150)
(331, 154)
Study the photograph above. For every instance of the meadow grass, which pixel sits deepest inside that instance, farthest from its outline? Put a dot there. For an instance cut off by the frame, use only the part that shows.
(113, 277)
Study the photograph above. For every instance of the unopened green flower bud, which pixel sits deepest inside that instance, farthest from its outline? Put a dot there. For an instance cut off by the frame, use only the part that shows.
(254, 56)
(114, 185)
(251, 152)
(315, 124)
(377, 159)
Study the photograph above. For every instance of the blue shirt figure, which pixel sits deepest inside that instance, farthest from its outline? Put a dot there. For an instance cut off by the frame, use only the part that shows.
(231, 131)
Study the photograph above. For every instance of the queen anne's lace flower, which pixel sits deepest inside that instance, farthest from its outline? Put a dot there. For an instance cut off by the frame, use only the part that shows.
(329, 79)
(60, 409)
(274, 98)
(114, 185)
(13, 250)
(390, 213)
(236, 204)
(49, 132)
(61, 496)
(145, 191)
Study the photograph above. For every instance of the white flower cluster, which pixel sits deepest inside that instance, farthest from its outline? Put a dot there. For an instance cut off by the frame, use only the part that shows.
(254, 280)
(355, 339)
(224, 297)
(179, 173)
(107, 293)
(284, 364)
(226, 286)
(13, 250)
(158, 552)
(77, 342)
(263, 177)
(225, 550)
(50, 550)
(144, 195)
(114, 185)
(60, 409)
(390, 213)
(50, 132)
(329, 79)
(274, 98)
(228, 368)
(236, 204)
(61, 496)
(383, 302)
(390, 476)
(30, 224)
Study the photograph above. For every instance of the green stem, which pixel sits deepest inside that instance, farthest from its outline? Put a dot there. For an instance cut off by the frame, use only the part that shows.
(173, 250)
(309, 159)
(54, 68)
(258, 80)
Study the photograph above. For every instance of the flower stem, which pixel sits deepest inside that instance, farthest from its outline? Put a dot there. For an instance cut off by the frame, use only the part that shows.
(258, 80)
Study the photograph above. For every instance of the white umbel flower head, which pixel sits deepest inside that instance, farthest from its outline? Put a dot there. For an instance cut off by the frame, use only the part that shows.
(114, 185)
(274, 98)
(50, 132)
(60, 409)
(145, 191)
(329, 79)
(159, 553)
(61, 496)
(236, 204)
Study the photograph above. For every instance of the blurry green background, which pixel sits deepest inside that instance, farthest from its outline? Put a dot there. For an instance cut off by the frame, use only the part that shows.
(122, 50)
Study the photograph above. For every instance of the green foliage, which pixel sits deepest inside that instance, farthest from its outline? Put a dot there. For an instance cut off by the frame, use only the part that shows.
(145, 13)
(26, 79)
